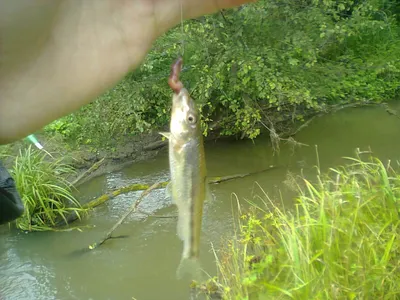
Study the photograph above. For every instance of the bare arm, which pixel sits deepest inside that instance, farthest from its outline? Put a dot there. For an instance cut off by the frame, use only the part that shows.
(58, 55)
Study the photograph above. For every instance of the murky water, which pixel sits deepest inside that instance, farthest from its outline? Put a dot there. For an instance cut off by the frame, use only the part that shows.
(142, 265)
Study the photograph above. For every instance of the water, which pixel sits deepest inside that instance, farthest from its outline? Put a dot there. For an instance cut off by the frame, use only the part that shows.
(142, 265)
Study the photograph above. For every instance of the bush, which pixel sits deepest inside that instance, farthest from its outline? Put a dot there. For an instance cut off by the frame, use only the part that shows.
(341, 241)
(47, 196)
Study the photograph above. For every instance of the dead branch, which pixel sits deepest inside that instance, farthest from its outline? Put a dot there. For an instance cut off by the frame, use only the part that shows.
(93, 168)
(155, 145)
(142, 187)
(122, 190)
(216, 180)
(131, 210)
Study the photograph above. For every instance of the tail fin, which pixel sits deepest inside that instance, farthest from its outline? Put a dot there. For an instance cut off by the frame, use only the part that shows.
(190, 267)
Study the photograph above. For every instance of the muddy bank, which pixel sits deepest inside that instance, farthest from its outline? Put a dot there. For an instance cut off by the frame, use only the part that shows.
(82, 158)
(124, 153)
(90, 162)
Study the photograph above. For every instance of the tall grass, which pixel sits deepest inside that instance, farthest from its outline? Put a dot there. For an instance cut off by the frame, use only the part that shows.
(4, 151)
(45, 192)
(341, 241)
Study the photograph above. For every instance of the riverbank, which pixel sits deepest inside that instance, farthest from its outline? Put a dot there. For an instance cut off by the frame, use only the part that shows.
(341, 241)
(133, 149)
(83, 157)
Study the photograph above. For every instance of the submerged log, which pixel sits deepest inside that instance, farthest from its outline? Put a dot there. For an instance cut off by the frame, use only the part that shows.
(144, 186)
(93, 168)
(111, 195)
(156, 145)
(146, 191)
(216, 180)
(131, 210)
(123, 190)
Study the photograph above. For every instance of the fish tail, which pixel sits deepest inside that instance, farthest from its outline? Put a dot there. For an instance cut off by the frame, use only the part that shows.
(190, 267)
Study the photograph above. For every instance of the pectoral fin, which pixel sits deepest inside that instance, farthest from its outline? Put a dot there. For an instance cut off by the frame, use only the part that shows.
(165, 134)
(209, 195)
(168, 190)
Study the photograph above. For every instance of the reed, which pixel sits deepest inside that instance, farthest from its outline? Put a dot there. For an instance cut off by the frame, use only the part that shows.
(341, 241)
(45, 192)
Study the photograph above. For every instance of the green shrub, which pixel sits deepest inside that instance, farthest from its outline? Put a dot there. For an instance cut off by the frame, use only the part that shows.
(341, 241)
(45, 192)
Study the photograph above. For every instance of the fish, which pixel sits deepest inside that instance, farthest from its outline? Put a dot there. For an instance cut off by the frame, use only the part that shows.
(188, 186)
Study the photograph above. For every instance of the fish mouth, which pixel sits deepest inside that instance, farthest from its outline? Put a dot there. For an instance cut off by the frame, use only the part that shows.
(183, 103)
(183, 98)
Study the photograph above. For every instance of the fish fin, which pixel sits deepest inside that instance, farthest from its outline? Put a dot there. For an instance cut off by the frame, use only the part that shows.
(190, 267)
(209, 194)
(165, 134)
(168, 191)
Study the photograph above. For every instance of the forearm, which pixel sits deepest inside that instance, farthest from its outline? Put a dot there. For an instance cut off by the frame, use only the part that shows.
(27, 104)
(58, 55)
(75, 66)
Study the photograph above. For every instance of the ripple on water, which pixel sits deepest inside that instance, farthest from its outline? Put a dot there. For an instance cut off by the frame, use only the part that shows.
(155, 201)
(21, 278)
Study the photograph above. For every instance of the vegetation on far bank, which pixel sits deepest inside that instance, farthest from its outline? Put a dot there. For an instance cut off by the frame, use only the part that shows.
(255, 67)
(340, 241)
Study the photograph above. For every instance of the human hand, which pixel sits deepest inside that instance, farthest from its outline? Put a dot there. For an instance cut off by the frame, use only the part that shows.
(57, 56)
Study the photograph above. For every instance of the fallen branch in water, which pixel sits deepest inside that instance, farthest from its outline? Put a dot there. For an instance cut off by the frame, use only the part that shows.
(93, 168)
(142, 187)
(157, 216)
(131, 210)
(163, 216)
(123, 190)
(288, 135)
(304, 125)
(155, 145)
(104, 198)
(390, 111)
(216, 180)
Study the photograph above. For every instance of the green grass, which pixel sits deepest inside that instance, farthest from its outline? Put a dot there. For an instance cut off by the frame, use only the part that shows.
(341, 240)
(5, 150)
(46, 193)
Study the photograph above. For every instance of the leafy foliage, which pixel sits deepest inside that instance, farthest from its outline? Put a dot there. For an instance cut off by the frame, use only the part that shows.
(339, 242)
(255, 66)
(47, 196)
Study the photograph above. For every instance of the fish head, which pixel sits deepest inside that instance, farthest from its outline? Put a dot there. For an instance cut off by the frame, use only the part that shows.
(185, 116)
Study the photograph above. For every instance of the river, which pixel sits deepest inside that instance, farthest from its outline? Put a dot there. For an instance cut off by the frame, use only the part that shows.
(142, 264)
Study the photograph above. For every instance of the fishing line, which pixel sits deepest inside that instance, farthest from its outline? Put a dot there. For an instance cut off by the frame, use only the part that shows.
(182, 48)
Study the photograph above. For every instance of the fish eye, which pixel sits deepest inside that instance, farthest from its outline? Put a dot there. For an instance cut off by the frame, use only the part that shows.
(191, 119)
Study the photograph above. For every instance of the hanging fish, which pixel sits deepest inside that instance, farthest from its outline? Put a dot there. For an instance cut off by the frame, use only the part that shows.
(188, 187)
